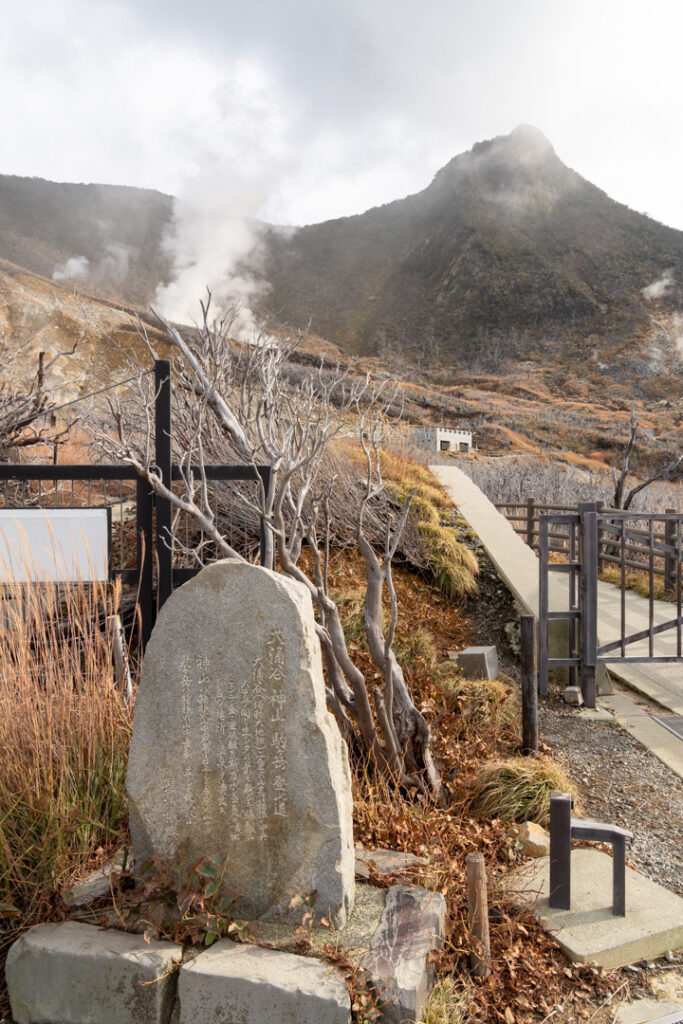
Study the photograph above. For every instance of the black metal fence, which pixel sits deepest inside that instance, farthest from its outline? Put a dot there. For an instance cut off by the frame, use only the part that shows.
(581, 568)
(648, 544)
(143, 551)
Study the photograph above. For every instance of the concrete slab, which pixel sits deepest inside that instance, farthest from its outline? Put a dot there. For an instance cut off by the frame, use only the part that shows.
(74, 973)
(479, 662)
(598, 714)
(635, 715)
(588, 932)
(232, 982)
(649, 1011)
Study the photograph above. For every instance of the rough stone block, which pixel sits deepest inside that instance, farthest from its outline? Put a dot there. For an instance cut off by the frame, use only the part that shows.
(412, 926)
(76, 973)
(479, 663)
(385, 862)
(234, 754)
(232, 982)
(534, 839)
(95, 885)
(573, 695)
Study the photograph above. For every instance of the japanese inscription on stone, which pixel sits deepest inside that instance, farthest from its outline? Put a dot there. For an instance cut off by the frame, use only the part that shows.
(234, 754)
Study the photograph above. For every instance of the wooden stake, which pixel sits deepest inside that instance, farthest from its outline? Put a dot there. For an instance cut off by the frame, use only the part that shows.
(478, 915)
(118, 639)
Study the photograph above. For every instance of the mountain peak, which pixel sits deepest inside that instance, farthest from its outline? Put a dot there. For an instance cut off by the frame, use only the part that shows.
(529, 136)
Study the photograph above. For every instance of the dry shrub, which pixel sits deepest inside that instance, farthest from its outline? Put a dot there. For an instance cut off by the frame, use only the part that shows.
(64, 732)
(482, 704)
(518, 788)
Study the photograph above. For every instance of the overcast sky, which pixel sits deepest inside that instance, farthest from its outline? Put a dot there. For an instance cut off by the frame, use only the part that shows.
(310, 109)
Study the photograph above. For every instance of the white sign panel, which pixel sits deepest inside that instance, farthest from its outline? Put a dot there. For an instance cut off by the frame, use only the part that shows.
(57, 544)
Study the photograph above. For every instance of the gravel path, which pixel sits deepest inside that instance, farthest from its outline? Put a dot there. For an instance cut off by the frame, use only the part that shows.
(619, 779)
(621, 782)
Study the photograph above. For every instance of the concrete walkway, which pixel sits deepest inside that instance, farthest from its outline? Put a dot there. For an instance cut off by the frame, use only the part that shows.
(517, 566)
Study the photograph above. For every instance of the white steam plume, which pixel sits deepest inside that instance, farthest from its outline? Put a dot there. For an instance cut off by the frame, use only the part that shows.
(660, 287)
(213, 242)
(214, 238)
(72, 269)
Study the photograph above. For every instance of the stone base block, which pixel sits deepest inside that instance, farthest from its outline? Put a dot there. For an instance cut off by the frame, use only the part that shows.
(588, 931)
(573, 695)
(411, 927)
(252, 985)
(385, 862)
(76, 973)
(479, 663)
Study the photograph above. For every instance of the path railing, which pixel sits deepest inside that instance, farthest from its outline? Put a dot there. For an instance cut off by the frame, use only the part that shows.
(642, 547)
(663, 533)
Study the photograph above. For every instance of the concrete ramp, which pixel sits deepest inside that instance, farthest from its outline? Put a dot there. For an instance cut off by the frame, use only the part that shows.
(515, 562)
(518, 567)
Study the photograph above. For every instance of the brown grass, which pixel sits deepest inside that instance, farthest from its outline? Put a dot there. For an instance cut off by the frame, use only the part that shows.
(64, 733)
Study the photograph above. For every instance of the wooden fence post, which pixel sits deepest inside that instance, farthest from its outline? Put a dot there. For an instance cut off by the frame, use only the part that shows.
(478, 915)
(529, 686)
(121, 668)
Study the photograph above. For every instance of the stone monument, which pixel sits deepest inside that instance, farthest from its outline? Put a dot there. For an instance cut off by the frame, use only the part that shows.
(234, 755)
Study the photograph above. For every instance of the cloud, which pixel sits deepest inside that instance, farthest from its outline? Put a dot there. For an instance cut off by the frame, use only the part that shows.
(659, 288)
(73, 269)
(372, 97)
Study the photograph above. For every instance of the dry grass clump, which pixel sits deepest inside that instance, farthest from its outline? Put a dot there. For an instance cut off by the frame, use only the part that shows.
(448, 1003)
(480, 703)
(518, 788)
(415, 647)
(64, 733)
(350, 602)
(453, 566)
(639, 582)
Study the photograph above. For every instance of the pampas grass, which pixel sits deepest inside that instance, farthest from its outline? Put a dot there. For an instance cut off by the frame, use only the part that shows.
(518, 789)
(64, 735)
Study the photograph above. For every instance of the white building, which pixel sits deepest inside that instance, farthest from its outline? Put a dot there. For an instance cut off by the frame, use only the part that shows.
(442, 439)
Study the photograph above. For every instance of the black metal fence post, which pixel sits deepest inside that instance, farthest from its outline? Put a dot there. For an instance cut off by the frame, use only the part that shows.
(543, 606)
(589, 601)
(145, 557)
(560, 850)
(670, 560)
(529, 686)
(162, 441)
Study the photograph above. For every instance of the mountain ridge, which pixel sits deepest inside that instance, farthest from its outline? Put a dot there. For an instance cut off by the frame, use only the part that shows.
(505, 245)
(506, 255)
